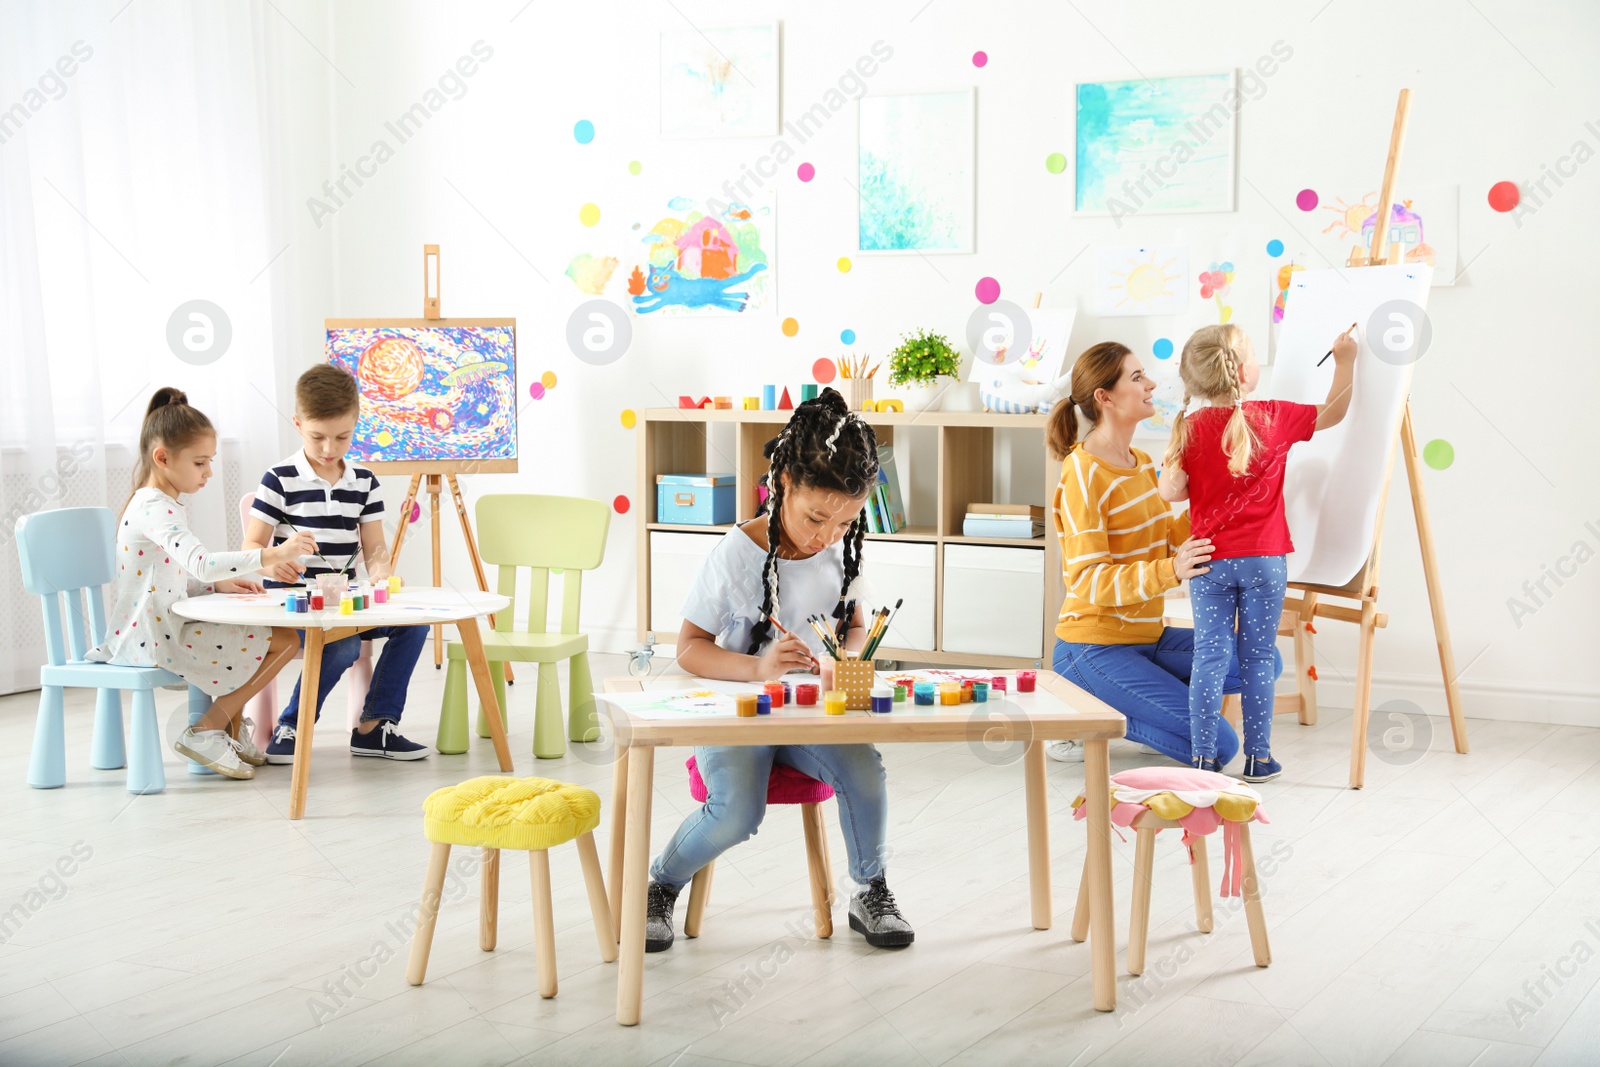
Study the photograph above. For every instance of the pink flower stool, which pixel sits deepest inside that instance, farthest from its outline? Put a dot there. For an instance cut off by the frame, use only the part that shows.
(1152, 799)
(785, 786)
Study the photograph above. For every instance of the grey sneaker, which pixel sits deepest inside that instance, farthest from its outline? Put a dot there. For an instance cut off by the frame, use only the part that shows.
(213, 749)
(658, 917)
(874, 915)
(1068, 751)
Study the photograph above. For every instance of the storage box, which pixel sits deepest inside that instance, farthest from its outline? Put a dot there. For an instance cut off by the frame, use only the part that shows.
(675, 561)
(994, 601)
(695, 499)
(903, 570)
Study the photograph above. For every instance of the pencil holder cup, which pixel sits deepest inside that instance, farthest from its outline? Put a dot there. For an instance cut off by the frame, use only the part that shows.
(856, 677)
(333, 587)
(860, 394)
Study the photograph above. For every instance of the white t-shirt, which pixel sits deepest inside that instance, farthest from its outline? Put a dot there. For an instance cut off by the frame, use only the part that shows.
(726, 598)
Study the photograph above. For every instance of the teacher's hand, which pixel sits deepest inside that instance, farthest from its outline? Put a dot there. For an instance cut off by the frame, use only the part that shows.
(1192, 557)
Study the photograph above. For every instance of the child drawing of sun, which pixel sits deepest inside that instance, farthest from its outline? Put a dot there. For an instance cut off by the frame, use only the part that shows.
(1349, 217)
(1146, 281)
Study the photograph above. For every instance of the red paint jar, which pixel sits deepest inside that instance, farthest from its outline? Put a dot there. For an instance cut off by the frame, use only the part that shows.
(1026, 680)
(774, 690)
(805, 694)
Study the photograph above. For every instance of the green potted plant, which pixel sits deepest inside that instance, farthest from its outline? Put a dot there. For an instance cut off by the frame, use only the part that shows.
(918, 363)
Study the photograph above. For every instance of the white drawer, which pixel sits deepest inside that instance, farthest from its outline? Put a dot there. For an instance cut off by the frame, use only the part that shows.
(896, 570)
(994, 600)
(675, 560)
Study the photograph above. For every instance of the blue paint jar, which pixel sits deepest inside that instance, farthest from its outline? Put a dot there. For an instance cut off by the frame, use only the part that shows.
(980, 692)
(882, 699)
(763, 704)
(924, 692)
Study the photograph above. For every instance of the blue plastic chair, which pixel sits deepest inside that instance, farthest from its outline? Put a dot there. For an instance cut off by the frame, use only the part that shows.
(72, 551)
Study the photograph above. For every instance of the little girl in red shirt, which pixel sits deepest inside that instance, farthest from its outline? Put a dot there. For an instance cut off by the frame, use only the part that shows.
(1228, 459)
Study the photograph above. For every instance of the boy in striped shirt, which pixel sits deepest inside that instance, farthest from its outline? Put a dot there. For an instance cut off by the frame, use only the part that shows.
(315, 490)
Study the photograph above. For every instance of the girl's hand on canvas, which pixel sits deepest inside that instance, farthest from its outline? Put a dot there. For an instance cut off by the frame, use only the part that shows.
(1192, 557)
(1344, 348)
(239, 585)
(787, 653)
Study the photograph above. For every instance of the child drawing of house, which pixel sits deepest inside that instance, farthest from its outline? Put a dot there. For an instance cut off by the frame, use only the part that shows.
(706, 250)
(1405, 227)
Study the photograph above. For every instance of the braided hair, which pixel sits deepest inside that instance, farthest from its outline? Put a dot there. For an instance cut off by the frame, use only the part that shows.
(824, 446)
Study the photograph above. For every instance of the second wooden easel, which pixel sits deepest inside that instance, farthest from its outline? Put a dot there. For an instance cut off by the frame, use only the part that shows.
(1298, 613)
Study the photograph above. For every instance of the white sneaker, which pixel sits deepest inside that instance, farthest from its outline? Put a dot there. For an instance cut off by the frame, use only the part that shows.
(245, 745)
(213, 749)
(1064, 751)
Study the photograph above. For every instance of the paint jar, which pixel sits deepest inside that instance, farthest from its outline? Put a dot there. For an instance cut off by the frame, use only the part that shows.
(923, 693)
(966, 692)
(395, 582)
(380, 594)
(949, 692)
(763, 703)
(980, 692)
(788, 693)
(833, 701)
(745, 705)
(289, 603)
(773, 691)
(1026, 680)
(347, 605)
(900, 693)
(360, 600)
(882, 699)
(997, 684)
(805, 694)
(317, 603)
(302, 603)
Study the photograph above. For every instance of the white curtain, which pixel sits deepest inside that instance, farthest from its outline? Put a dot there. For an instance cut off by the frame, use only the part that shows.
(135, 169)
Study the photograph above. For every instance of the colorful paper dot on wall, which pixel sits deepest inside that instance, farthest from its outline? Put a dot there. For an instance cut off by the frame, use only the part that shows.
(536, 390)
(790, 327)
(583, 131)
(548, 378)
(1306, 200)
(1438, 454)
(416, 511)
(988, 290)
(824, 370)
(629, 419)
(847, 336)
(1274, 248)
(1162, 348)
(621, 505)
(1055, 163)
(844, 264)
(805, 172)
(589, 214)
(635, 168)
(980, 59)
(1503, 196)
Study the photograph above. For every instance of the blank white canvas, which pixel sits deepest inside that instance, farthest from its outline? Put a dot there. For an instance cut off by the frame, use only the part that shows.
(1334, 481)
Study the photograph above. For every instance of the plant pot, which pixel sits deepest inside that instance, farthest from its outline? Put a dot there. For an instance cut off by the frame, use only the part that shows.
(921, 396)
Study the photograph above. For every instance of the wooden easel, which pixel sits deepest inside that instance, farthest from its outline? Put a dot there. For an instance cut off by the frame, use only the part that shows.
(1298, 613)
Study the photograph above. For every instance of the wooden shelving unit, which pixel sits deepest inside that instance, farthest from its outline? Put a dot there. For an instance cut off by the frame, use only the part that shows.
(675, 441)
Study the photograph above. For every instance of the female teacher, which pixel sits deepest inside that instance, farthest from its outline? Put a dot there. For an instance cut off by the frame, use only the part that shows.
(1121, 550)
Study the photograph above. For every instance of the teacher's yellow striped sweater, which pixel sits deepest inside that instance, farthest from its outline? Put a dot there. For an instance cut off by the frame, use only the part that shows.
(1118, 538)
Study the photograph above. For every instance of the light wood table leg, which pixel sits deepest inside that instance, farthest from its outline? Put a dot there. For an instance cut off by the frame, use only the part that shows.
(635, 881)
(305, 721)
(1038, 833)
(619, 834)
(1102, 946)
(472, 642)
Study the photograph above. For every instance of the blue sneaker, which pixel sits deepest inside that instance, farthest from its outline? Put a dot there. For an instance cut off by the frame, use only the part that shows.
(280, 750)
(386, 742)
(1212, 765)
(1261, 768)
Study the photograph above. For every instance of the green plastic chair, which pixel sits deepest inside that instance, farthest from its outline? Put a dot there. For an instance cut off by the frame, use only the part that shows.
(563, 535)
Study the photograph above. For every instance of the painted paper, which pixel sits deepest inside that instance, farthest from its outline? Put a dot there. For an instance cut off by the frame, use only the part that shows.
(705, 258)
(916, 173)
(1150, 280)
(720, 82)
(1157, 146)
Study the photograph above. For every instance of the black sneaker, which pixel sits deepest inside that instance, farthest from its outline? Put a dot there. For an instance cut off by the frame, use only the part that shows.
(386, 742)
(1215, 766)
(658, 917)
(874, 915)
(280, 750)
(1261, 768)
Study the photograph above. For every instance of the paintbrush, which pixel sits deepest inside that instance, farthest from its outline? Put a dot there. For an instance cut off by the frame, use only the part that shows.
(822, 632)
(872, 646)
(782, 630)
(1324, 359)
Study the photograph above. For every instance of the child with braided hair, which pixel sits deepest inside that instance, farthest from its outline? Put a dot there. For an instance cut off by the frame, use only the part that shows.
(801, 558)
(1228, 460)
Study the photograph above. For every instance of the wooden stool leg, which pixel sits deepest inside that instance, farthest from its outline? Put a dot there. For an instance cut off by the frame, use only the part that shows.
(1080, 914)
(1252, 900)
(489, 900)
(599, 906)
(699, 895)
(1200, 870)
(1144, 858)
(544, 922)
(427, 912)
(817, 861)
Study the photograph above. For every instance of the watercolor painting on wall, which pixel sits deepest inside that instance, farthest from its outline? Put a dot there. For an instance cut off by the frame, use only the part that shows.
(720, 82)
(431, 390)
(916, 172)
(1155, 146)
(1151, 280)
(706, 257)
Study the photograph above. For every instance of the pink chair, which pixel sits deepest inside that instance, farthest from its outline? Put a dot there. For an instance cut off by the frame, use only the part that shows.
(264, 707)
(785, 786)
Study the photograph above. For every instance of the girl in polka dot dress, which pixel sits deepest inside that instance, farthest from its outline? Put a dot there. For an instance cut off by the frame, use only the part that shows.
(160, 561)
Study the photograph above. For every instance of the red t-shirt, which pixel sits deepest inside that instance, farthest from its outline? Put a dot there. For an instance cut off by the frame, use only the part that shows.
(1243, 515)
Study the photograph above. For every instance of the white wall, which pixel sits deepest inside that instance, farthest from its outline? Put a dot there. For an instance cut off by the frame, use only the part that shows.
(496, 178)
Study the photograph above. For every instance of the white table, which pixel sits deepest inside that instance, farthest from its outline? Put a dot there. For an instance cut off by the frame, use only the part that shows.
(411, 606)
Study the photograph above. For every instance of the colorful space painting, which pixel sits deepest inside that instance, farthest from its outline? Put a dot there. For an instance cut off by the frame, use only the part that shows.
(1156, 146)
(431, 393)
(720, 82)
(917, 175)
(706, 258)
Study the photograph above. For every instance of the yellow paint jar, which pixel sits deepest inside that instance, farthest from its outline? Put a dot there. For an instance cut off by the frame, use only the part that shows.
(833, 701)
(949, 692)
(745, 705)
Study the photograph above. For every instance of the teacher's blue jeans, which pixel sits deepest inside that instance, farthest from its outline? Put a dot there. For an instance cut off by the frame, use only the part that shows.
(736, 800)
(1150, 685)
(1237, 605)
(391, 674)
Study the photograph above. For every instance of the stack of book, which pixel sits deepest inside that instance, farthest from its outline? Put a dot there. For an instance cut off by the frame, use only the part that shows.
(886, 509)
(1003, 520)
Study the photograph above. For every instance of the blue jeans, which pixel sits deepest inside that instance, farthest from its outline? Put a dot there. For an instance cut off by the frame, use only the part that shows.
(1247, 593)
(736, 800)
(391, 675)
(1150, 685)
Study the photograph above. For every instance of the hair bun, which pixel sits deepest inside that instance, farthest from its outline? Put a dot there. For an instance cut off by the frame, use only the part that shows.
(166, 395)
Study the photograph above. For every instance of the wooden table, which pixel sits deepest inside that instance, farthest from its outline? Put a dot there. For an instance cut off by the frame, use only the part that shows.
(1057, 710)
(412, 606)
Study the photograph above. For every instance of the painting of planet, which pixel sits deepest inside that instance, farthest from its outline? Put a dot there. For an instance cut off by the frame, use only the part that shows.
(433, 392)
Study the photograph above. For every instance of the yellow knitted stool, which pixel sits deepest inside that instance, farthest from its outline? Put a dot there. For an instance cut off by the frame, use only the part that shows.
(525, 814)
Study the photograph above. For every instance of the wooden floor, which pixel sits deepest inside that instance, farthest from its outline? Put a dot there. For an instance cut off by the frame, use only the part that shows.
(1448, 914)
